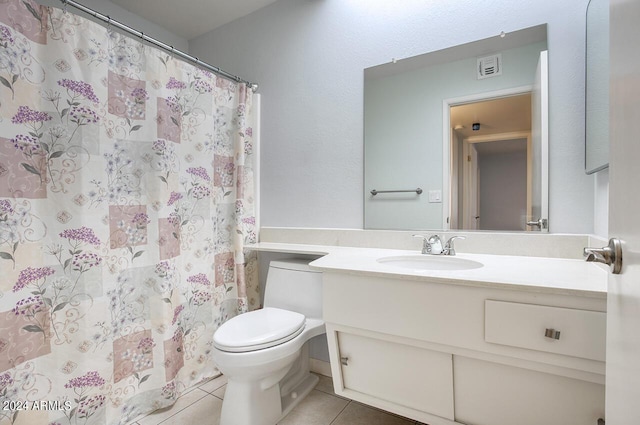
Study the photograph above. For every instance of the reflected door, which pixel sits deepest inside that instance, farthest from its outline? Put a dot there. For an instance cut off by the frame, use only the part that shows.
(471, 188)
(538, 219)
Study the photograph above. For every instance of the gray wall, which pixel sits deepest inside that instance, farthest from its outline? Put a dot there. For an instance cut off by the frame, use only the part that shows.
(503, 195)
(308, 57)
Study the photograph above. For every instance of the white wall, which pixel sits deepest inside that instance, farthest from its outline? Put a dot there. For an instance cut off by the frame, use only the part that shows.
(130, 19)
(601, 204)
(308, 57)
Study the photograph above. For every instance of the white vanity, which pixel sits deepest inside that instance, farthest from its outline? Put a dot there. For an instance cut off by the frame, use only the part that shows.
(518, 341)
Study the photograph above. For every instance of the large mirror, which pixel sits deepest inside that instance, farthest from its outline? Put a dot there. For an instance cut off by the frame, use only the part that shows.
(597, 87)
(457, 138)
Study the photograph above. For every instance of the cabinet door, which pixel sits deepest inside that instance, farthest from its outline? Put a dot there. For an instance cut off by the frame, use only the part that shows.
(489, 393)
(405, 375)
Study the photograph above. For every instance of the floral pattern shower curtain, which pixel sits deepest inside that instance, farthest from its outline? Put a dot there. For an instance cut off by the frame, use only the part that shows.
(126, 195)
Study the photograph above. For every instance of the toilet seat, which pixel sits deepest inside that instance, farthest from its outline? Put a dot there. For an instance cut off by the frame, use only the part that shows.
(259, 329)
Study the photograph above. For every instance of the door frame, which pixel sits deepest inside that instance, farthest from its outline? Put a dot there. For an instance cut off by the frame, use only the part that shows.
(447, 133)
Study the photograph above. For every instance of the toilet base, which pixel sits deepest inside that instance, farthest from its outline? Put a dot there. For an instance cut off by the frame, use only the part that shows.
(301, 391)
(266, 401)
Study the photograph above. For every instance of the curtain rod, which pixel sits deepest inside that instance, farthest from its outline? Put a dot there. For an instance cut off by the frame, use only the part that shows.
(157, 43)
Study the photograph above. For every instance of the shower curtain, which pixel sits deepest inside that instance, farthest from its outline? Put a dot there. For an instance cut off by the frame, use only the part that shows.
(126, 196)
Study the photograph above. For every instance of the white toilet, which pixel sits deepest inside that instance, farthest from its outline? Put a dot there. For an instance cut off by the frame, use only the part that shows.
(265, 353)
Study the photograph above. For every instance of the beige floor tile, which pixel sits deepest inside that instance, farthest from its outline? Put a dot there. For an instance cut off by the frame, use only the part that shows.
(204, 411)
(214, 384)
(317, 408)
(184, 401)
(359, 414)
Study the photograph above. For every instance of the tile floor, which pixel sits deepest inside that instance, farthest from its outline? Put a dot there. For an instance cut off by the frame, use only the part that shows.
(320, 407)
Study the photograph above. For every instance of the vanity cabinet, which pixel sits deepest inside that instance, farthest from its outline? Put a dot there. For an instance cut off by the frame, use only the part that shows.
(462, 353)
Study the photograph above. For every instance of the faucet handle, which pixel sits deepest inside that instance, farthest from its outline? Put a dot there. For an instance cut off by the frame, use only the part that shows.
(448, 247)
(426, 245)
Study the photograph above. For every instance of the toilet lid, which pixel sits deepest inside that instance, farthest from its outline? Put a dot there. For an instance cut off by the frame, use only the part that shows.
(258, 329)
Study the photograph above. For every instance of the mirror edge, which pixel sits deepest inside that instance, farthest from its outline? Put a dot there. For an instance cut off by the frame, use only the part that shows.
(596, 169)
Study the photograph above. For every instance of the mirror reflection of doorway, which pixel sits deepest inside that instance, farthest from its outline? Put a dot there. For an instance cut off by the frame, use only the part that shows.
(491, 166)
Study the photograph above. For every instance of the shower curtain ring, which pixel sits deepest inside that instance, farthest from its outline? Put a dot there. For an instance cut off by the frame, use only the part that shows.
(108, 22)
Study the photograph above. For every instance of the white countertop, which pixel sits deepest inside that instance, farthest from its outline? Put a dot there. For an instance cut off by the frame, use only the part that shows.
(537, 274)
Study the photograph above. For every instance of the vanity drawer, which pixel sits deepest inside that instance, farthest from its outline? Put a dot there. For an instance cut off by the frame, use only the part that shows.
(578, 333)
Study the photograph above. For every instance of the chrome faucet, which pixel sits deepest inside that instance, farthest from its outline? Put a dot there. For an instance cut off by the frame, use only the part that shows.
(433, 245)
(436, 245)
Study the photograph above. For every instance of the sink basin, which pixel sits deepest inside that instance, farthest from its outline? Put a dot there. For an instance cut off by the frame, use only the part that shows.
(430, 262)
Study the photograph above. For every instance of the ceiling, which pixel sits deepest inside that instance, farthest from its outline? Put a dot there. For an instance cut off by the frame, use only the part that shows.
(191, 18)
(503, 115)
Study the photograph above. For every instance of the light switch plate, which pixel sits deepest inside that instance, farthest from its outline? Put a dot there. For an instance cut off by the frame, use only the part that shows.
(435, 196)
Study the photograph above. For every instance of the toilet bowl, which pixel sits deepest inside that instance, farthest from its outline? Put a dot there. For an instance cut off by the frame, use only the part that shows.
(264, 353)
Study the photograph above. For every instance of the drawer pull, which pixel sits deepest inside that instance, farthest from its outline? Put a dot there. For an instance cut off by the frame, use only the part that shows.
(344, 361)
(552, 333)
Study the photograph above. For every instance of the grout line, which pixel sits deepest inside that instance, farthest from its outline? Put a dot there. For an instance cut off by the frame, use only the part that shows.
(343, 409)
(219, 398)
(386, 412)
(211, 392)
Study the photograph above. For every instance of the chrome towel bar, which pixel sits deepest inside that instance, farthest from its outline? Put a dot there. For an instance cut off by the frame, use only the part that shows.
(375, 192)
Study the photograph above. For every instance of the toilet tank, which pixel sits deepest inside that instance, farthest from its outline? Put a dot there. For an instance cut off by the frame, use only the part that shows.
(292, 285)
